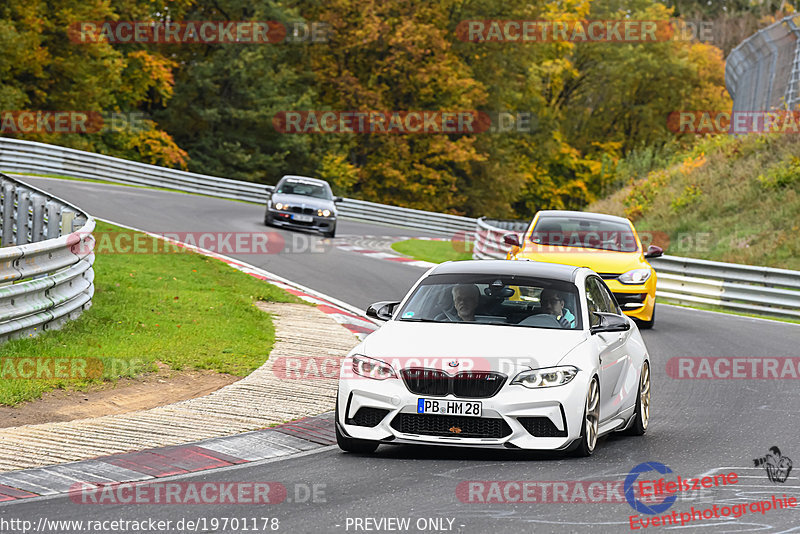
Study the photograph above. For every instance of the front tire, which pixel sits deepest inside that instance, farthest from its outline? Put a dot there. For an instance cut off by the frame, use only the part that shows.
(360, 446)
(591, 421)
(641, 418)
(332, 233)
(268, 220)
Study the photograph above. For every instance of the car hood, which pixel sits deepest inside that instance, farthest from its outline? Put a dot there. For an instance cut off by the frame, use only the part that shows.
(480, 347)
(303, 201)
(600, 261)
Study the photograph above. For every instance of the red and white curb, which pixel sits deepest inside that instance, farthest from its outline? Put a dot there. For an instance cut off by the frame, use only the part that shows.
(284, 440)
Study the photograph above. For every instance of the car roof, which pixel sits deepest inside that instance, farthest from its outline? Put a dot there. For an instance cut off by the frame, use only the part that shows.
(536, 269)
(583, 215)
(304, 179)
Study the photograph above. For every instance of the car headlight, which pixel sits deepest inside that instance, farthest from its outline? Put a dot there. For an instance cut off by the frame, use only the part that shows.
(279, 206)
(634, 276)
(324, 213)
(372, 368)
(546, 378)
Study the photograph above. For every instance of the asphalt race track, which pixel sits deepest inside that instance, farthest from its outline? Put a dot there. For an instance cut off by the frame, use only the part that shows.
(698, 427)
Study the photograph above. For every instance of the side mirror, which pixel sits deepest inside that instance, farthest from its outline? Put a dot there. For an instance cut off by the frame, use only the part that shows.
(654, 252)
(511, 239)
(610, 322)
(270, 188)
(382, 310)
(337, 199)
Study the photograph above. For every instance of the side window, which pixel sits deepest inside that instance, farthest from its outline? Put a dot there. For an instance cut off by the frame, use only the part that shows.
(612, 302)
(596, 300)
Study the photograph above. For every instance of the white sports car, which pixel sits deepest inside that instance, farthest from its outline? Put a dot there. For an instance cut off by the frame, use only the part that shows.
(518, 355)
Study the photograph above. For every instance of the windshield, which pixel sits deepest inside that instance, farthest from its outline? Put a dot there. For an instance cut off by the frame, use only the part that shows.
(489, 299)
(307, 189)
(584, 233)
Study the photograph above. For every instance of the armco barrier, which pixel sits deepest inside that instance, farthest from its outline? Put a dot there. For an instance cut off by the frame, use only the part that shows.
(39, 158)
(46, 275)
(742, 288)
(489, 237)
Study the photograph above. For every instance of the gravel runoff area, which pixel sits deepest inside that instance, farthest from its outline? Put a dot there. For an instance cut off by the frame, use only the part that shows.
(262, 399)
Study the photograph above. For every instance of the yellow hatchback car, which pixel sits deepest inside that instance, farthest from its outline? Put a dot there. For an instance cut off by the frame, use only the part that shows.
(607, 244)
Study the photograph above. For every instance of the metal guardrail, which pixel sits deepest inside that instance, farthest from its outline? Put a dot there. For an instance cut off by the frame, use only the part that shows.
(489, 237)
(741, 288)
(30, 157)
(46, 275)
(763, 71)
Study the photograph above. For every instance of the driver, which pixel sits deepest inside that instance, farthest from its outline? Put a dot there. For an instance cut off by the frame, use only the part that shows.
(465, 302)
(553, 304)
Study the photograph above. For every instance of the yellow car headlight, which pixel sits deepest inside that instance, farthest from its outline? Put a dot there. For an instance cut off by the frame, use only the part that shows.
(634, 276)
(324, 213)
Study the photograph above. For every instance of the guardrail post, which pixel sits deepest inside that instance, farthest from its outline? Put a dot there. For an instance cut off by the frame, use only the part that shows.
(9, 194)
(23, 222)
(67, 216)
(37, 224)
(53, 217)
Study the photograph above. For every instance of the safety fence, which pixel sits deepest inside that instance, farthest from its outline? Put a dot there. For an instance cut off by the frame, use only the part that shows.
(763, 72)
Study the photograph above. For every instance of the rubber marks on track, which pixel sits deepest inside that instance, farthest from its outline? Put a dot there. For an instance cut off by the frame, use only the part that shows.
(290, 438)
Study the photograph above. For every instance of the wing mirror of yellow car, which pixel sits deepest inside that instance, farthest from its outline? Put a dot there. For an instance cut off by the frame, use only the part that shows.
(654, 252)
(382, 310)
(511, 239)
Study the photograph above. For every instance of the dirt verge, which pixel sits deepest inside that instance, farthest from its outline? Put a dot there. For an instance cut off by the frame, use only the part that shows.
(126, 395)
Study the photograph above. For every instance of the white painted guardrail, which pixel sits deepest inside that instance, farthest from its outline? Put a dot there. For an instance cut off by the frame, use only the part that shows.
(742, 288)
(46, 275)
(38, 158)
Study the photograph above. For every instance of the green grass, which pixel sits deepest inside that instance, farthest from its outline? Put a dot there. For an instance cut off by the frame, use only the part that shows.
(434, 251)
(182, 309)
(732, 199)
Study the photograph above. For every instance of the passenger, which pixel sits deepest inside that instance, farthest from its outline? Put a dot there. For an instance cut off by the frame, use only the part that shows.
(553, 304)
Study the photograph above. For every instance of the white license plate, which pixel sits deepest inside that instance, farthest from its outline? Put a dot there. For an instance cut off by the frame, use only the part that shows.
(449, 407)
(302, 218)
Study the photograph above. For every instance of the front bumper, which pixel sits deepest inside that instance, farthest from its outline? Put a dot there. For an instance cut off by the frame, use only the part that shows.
(286, 218)
(563, 406)
(637, 301)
